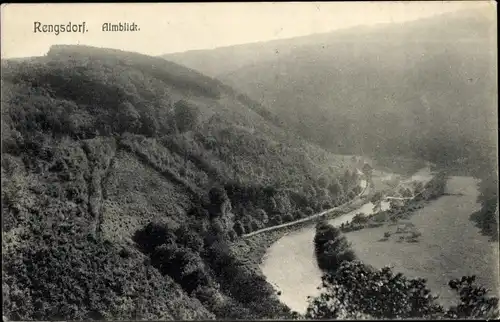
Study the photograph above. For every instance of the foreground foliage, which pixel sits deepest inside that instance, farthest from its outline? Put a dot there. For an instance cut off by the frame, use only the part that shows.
(356, 290)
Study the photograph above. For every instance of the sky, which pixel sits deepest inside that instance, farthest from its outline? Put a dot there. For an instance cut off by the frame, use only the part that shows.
(176, 27)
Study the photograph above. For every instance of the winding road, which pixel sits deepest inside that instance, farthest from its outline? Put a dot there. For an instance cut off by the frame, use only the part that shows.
(365, 191)
(364, 185)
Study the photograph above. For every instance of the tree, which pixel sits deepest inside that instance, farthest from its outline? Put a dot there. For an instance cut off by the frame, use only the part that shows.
(331, 247)
(189, 238)
(395, 204)
(186, 115)
(198, 212)
(474, 302)
(239, 228)
(276, 220)
(150, 125)
(153, 235)
(377, 199)
(261, 215)
(217, 196)
(406, 193)
(347, 180)
(128, 118)
(298, 214)
(356, 290)
(380, 294)
(288, 217)
(322, 182)
(219, 202)
(335, 188)
(308, 211)
(418, 186)
(359, 219)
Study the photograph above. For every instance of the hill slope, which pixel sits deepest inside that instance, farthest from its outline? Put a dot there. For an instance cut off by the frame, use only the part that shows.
(423, 89)
(126, 177)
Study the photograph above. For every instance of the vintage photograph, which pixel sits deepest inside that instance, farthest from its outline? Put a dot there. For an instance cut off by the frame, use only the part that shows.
(249, 161)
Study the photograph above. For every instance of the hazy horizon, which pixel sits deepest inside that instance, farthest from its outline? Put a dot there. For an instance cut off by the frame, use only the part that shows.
(175, 28)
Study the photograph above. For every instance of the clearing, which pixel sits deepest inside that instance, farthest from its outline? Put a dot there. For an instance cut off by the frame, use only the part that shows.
(449, 245)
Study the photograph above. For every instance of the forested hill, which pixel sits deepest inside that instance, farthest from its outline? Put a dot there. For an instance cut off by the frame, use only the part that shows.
(125, 178)
(425, 88)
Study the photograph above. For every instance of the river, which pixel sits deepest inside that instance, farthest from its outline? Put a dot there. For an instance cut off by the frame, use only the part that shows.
(290, 264)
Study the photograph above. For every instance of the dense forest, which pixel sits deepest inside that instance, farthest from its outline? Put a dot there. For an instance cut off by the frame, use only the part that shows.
(424, 89)
(421, 89)
(126, 177)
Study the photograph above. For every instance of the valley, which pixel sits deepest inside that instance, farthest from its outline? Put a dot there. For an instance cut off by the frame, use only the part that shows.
(348, 174)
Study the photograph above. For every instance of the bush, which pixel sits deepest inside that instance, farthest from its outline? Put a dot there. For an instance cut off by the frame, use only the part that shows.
(261, 215)
(217, 196)
(239, 228)
(309, 211)
(327, 205)
(288, 218)
(331, 247)
(189, 238)
(474, 300)
(356, 289)
(351, 290)
(298, 214)
(153, 235)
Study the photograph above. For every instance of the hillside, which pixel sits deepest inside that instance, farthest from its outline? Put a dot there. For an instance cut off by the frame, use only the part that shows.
(423, 89)
(126, 177)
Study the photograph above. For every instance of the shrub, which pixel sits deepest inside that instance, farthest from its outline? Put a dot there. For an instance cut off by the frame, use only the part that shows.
(153, 235)
(359, 219)
(261, 215)
(331, 247)
(350, 291)
(189, 238)
(276, 220)
(356, 289)
(415, 234)
(474, 300)
(239, 228)
(288, 218)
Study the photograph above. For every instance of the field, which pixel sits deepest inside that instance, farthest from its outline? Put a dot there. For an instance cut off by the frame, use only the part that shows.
(449, 245)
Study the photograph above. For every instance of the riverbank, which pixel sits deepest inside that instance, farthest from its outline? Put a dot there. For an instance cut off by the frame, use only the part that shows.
(251, 249)
(289, 264)
(448, 245)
